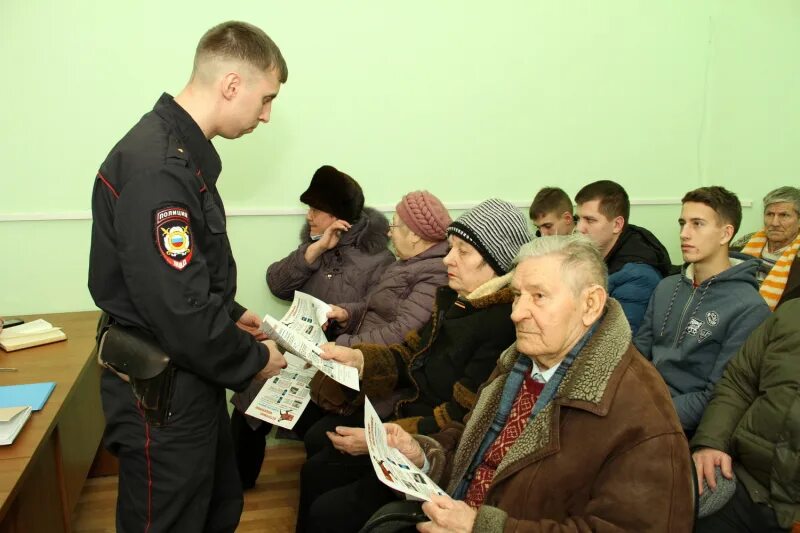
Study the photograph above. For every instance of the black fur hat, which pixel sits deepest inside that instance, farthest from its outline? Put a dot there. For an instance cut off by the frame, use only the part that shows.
(336, 193)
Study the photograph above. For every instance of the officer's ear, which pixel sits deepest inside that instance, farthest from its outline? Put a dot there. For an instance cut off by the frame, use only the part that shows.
(230, 85)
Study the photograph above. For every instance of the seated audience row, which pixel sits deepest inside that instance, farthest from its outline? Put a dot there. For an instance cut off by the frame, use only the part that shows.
(398, 302)
(635, 258)
(424, 383)
(687, 325)
(776, 245)
(574, 430)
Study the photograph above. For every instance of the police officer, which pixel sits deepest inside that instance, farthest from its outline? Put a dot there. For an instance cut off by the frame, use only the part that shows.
(161, 263)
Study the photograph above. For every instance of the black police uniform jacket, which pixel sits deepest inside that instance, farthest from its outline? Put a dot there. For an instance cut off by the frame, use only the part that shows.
(160, 257)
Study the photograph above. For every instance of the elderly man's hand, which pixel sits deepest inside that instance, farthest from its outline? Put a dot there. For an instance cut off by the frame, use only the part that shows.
(447, 515)
(251, 323)
(705, 459)
(352, 441)
(343, 354)
(399, 438)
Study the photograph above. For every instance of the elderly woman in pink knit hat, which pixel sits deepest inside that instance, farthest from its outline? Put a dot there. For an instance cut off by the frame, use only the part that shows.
(402, 299)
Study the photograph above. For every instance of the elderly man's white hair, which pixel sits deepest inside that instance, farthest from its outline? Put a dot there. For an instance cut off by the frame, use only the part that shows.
(582, 263)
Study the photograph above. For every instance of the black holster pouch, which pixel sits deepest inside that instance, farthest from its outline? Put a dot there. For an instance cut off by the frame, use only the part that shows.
(136, 357)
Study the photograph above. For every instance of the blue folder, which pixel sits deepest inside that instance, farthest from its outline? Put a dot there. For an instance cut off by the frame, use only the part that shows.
(33, 394)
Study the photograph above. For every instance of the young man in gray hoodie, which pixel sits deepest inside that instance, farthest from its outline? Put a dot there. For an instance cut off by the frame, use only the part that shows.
(696, 320)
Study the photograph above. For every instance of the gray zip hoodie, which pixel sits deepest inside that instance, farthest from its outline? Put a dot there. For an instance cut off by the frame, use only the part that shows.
(690, 333)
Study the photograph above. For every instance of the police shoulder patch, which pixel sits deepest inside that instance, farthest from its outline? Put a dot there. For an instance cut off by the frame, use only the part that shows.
(173, 236)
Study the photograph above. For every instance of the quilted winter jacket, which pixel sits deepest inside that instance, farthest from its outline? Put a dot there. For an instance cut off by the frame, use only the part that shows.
(754, 415)
(399, 303)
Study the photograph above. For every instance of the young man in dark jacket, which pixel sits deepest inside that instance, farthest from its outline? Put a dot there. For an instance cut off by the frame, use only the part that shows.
(697, 319)
(751, 428)
(635, 258)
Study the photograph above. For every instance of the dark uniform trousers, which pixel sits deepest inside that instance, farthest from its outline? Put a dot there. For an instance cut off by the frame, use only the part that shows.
(181, 476)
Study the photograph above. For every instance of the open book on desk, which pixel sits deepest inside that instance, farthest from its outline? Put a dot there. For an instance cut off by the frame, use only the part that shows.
(31, 334)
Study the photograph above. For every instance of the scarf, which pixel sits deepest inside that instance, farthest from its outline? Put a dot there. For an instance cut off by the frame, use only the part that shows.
(774, 284)
(513, 384)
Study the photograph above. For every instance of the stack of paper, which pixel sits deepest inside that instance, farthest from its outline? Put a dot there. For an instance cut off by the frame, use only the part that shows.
(11, 421)
(31, 334)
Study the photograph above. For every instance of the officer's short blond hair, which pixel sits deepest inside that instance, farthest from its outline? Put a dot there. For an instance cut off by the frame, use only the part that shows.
(242, 41)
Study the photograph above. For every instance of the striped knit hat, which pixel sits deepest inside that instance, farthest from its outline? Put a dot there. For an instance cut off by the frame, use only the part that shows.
(496, 229)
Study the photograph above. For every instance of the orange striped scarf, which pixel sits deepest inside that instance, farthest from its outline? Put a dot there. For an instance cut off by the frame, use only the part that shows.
(773, 285)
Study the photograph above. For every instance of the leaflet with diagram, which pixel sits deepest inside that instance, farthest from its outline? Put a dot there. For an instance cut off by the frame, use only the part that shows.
(390, 465)
(31, 334)
(300, 332)
(283, 398)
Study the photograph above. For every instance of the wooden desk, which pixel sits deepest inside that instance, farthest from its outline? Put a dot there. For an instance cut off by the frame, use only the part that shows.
(42, 473)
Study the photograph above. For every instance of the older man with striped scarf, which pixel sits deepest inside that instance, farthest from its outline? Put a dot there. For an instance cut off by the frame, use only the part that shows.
(777, 247)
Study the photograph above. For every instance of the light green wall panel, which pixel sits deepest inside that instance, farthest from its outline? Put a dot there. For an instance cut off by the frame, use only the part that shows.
(466, 99)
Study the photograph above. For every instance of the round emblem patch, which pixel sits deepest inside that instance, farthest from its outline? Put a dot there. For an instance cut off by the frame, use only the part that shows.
(173, 236)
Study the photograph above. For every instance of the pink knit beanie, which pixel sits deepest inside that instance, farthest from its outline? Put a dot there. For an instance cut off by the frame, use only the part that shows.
(425, 215)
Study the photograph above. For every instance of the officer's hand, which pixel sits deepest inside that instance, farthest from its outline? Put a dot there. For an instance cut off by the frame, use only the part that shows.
(343, 354)
(275, 364)
(399, 438)
(339, 314)
(251, 323)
